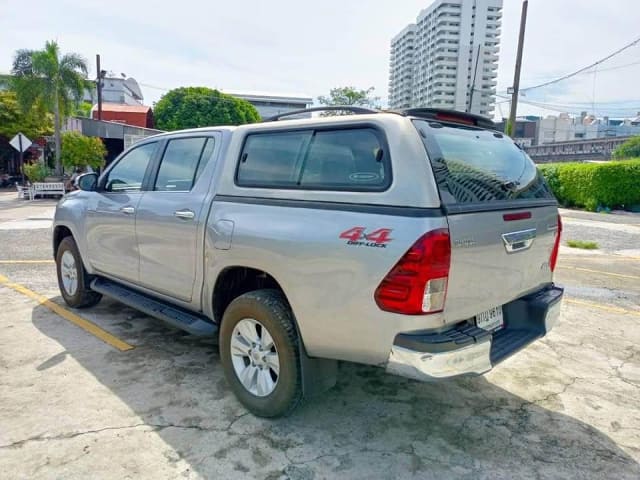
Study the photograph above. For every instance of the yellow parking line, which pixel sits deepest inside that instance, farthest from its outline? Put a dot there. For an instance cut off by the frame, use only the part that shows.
(14, 262)
(634, 277)
(77, 320)
(603, 307)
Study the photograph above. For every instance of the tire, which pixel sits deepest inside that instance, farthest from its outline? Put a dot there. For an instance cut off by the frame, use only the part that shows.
(69, 266)
(264, 309)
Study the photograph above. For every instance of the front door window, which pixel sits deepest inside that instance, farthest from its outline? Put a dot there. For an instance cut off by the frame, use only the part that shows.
(127, 175)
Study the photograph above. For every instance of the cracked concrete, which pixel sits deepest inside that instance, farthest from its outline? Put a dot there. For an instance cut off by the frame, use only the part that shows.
(72, 407)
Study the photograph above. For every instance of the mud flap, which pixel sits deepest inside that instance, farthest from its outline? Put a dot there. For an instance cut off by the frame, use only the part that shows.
(318, 374)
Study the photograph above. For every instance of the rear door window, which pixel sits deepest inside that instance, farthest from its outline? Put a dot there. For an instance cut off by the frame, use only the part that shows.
(180, 162)
(472, 165)
(205, 157)
(352, 159)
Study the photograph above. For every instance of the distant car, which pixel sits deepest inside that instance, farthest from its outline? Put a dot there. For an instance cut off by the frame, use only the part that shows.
(422, 241)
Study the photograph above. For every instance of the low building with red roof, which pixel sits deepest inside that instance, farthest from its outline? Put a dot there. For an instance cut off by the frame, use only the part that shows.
(135, 115)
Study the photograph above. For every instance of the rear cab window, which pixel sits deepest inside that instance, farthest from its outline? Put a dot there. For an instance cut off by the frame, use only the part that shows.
(351, 159)
(477, 166)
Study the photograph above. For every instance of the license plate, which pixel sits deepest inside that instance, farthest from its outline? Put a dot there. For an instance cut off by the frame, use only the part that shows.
(491, 319)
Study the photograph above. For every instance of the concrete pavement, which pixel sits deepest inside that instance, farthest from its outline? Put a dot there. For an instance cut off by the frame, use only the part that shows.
(73, 406)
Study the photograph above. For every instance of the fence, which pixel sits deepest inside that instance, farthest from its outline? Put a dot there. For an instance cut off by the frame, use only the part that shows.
(575, 150)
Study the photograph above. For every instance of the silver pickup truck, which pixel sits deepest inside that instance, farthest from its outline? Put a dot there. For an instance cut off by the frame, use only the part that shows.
(422, 241)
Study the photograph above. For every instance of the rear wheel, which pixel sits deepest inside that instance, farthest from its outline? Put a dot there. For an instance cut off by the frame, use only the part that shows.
(259, 350)
(73, 279)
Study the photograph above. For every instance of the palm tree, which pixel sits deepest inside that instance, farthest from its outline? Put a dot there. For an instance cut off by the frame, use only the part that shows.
(56, 83)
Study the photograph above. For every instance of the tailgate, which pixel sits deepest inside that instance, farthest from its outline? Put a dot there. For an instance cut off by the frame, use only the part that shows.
(502, 217)
(494, 261)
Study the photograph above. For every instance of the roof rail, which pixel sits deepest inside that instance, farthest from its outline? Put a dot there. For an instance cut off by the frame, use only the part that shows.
(332, 108)
(437, 114)
(448, 115)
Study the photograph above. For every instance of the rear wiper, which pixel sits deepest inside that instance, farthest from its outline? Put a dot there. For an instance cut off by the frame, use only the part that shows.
(511, 186)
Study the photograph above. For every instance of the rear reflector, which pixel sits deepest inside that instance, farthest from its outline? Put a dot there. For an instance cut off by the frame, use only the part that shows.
(556, 246)
(510, 217)
(417, 284)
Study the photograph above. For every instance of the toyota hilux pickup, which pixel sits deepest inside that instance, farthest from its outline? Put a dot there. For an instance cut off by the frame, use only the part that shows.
(422, 241)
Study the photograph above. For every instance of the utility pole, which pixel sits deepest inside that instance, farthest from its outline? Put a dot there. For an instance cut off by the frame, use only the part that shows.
(473, 84)
(511, 124)
(21, 158)
(99, 86)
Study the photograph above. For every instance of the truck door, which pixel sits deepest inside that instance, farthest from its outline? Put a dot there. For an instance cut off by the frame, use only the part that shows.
(111, 217)
(171, 217)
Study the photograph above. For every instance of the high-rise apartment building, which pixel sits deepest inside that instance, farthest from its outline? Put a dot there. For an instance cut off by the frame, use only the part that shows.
(452, 46)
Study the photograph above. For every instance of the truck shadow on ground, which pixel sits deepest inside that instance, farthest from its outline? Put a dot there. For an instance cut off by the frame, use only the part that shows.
(371, 425)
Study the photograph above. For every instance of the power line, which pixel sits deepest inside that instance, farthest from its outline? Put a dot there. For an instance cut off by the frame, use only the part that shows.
(610, 105)
(622, 111)
(602, 105)
(153, 86)
(589, 67)
(600, 70)
(618, 67)
(604, 102)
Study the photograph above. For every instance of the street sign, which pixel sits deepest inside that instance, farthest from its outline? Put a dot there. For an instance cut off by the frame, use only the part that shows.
(20, 142)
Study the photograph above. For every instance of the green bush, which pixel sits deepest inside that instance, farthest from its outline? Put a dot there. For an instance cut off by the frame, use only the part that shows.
(585, 245)
(80, 151)
(629, 149)
(36, 172)
(613, 184)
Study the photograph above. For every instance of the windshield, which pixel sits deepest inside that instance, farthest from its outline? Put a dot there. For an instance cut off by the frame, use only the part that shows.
(472, 165)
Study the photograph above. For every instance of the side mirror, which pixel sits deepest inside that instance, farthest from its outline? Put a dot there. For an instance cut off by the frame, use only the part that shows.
(87, 182)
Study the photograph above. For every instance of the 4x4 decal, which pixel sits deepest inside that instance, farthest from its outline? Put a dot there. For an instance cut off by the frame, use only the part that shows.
(358, 237)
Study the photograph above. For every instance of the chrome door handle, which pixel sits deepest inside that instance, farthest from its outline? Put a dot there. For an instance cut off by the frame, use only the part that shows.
(128, 210)
(186, 214)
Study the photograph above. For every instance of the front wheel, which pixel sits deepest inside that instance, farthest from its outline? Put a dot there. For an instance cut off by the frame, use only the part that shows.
(72, 277)
(259, 350)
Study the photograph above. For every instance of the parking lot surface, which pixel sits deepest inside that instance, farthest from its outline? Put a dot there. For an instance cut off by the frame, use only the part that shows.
(110, 393)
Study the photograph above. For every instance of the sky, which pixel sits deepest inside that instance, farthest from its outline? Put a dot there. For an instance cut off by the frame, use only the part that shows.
(293, 46)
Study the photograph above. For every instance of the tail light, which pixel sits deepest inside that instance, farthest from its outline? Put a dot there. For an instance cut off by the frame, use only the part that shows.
(556, 246)
(417, 284)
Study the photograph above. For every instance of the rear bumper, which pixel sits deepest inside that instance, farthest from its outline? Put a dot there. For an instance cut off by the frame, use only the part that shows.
(469, 350)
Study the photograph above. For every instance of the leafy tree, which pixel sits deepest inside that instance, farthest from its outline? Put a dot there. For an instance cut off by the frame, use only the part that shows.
(190, 107)
(83, 110)
(629, 149)
(34, 123)
(5, 80)
(80, 151)
(53, 81)
(350, 96)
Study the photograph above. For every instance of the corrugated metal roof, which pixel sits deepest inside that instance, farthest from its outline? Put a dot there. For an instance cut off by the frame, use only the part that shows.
(104, 129)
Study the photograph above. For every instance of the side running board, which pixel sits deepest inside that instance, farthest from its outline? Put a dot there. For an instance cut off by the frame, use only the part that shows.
(170, 314)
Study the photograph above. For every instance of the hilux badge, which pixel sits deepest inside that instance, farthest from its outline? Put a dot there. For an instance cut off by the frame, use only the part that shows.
(464, 243)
